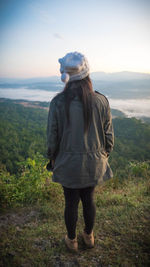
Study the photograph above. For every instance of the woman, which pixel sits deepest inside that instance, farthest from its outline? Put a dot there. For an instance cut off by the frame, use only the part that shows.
(80, 139)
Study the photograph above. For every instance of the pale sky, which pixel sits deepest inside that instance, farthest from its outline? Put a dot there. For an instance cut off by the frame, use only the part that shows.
(113, 34)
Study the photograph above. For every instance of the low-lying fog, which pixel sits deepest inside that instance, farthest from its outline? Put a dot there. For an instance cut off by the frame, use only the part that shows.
(131, 107)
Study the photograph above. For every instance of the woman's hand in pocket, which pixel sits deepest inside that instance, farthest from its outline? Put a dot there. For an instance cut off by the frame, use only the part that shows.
(53, 162)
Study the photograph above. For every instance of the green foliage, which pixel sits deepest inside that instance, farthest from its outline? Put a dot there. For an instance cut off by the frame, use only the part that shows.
(32, 185)
(139, 169)
(22, 134)
(132, 143)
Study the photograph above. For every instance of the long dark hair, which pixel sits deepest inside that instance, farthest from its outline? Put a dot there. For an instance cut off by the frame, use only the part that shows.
(84, 90)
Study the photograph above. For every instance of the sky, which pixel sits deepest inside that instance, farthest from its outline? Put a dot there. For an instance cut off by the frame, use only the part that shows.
(113, 34)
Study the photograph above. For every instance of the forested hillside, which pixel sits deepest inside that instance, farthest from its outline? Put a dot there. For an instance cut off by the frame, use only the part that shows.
(23, 134)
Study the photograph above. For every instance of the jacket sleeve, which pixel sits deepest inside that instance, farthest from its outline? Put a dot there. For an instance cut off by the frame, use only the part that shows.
(52, 131)
(109, 132)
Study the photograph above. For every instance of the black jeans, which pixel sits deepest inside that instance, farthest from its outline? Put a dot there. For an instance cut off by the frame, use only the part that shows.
(72, 198)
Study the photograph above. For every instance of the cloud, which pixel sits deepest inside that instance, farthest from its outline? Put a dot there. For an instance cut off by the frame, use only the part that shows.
(44, 15)
(58, 36)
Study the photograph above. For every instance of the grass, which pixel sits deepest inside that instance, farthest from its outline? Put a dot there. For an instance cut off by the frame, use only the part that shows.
(33, 235)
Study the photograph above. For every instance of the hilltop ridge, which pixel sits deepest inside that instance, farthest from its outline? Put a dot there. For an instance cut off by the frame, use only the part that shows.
(30, 235)
(98, 75)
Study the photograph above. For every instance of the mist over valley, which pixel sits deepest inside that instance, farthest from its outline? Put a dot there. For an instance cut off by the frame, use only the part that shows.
(128, 92)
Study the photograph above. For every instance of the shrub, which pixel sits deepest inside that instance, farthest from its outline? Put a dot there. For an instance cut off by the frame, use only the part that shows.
(33, 184)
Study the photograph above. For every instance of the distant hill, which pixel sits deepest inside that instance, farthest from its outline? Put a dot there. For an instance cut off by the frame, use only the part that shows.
(96, 76)
(123, 85)
(119, 76)
(30, 80)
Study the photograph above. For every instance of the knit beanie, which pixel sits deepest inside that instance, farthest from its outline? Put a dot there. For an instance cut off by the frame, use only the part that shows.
(73, 66)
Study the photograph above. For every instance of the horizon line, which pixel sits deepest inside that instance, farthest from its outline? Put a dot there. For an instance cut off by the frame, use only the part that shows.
(34, 77)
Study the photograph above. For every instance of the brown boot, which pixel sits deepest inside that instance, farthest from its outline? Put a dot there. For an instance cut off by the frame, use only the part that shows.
(88, 239)
(71, 244)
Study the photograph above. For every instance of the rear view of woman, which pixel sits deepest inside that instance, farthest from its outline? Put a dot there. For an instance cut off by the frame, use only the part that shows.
(80, 139)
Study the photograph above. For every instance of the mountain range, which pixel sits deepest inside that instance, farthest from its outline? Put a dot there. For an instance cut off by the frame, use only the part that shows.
(123, 85)
(96, 76)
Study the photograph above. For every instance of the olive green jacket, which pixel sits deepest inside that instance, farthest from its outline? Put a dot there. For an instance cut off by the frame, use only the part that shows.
(81, 160)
